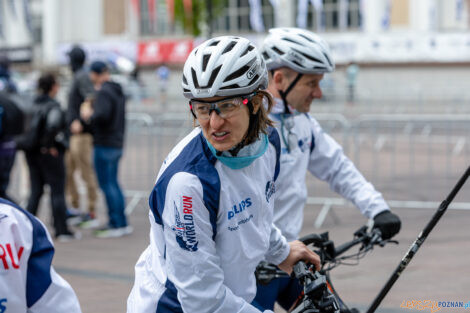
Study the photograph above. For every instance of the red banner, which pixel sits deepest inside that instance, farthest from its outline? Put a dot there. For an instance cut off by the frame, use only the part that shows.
(164, 51)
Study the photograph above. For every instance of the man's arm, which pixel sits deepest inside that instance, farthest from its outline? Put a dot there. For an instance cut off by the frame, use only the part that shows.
(329, 163)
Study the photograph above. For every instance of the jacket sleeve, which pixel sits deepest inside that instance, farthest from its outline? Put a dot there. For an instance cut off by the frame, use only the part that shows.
(103, 109)
(192, 262)
(278, 247)
(46, 291)
(329, 163)
(54, 124)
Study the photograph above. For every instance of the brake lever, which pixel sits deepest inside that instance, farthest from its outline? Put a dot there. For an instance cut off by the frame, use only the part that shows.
(266, 272)
(384, 242)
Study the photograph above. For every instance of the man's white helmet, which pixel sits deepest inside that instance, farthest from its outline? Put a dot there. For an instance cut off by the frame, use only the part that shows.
(298, 49)
(224, 66)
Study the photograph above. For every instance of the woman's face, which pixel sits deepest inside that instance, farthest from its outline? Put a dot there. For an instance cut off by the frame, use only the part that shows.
(225, 133)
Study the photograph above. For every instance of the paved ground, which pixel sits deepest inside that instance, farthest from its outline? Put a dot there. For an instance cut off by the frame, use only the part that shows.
(101, 270)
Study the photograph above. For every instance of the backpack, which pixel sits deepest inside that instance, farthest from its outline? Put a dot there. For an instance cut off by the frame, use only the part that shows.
(35, 135)
(11, 118)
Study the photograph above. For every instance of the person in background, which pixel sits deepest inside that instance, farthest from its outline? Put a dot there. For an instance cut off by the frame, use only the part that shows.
(11, 124)
(163, 75)
(45, 155)
(352, 70)
(297, 60)
(106, 117)
(28, 281)
(79, 154)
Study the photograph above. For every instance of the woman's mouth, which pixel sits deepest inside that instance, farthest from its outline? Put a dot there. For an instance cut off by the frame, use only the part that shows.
(219, 136)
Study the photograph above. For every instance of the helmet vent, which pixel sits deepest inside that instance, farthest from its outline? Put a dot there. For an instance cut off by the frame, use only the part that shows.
(229, 46)
(242, 70)
(265, 55)
(195, 82)
(290, 40)
(297, 63)
(328, 59)
(214, 74)
(305, 37)
(278, 51)
(205, 60)
(250, 47)
(234, 86)
(215, 43)
(184, 80)
(308, 56)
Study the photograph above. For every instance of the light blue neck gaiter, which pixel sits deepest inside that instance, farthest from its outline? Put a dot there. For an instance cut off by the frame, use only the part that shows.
(240, 162)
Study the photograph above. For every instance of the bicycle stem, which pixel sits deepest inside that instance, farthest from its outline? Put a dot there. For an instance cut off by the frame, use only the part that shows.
(418, 242)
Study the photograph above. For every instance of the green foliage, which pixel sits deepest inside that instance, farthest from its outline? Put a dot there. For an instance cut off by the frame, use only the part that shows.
(193, 22)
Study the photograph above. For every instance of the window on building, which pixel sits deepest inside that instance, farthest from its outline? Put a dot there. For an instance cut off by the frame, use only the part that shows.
(155, 19)
(333, 16)
(235, 17)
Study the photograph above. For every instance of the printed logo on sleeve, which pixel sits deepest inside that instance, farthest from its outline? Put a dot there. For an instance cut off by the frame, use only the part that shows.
(9, 257)
(3, 304)
(270, 190)
(184, 228)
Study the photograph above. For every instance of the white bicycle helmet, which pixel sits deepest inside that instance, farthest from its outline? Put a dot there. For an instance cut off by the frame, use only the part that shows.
(298, 49)
(224, 66)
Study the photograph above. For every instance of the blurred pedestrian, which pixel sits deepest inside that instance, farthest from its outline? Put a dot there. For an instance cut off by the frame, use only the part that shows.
(163, 75)
(6, 83)
(47, 141)
(106, 117)
(11, 124)
(28, 282)
(352, 70)
(78, 157)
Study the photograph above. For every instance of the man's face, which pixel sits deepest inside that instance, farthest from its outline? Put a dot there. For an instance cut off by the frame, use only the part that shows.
(98, 79)
(304, 92)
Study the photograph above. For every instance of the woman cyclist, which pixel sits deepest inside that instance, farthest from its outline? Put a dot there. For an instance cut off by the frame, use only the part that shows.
(211, 208)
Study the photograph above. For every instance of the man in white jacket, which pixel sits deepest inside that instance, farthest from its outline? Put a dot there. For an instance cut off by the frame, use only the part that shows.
(297, 61)
(28, 282)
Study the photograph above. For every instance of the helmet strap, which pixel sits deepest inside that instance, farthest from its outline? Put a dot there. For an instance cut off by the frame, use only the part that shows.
(284, 94)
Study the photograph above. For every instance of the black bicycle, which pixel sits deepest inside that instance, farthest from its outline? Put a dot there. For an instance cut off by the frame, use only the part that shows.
(319, 295)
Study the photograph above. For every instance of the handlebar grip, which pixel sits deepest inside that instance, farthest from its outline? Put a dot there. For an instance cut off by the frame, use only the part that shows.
(311, 238)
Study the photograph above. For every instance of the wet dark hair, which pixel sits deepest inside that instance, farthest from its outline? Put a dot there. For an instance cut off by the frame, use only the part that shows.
(46, 82)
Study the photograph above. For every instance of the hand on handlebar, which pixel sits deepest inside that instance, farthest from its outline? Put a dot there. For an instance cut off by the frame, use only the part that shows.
(299, 252)
(388, 223)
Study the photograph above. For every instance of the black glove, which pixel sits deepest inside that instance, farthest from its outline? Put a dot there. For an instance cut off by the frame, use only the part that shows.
(388, 223)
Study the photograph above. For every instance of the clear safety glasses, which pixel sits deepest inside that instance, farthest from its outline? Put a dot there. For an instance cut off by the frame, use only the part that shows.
(225, 108)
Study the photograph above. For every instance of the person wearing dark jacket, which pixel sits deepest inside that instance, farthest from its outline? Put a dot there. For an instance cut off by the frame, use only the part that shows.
(106, 118)
(11, 124)
(78, 157)
(46, 159)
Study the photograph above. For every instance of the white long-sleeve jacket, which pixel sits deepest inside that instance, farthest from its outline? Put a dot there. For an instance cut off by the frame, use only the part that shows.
(28, 282)
(311, 149)
(210, 227)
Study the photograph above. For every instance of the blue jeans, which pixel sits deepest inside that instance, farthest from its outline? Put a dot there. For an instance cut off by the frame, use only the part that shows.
(106, 165)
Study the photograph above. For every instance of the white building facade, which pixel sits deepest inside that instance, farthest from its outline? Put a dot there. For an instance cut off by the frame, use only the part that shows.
(358, 30)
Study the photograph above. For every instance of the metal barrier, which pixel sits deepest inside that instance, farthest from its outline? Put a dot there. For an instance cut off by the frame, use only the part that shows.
(409, 158)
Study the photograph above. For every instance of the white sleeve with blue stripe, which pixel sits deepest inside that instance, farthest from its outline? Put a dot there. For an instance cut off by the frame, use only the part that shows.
(28, 283)
(329, 163)
(192, 263)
